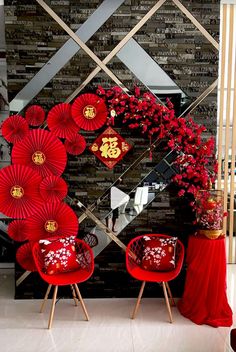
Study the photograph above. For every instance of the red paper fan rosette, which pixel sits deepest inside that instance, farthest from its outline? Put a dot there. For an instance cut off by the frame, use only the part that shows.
(41, 151)
(19, 191)
(75, 144)
(35, 115)
(89, 111)
(53, 189)
(17, 230)
(60, 121)
(53, 219)
(25, 258)
(15, 128)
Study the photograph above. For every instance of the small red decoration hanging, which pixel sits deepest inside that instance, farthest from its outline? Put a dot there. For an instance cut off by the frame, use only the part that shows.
(17, 230)
(110, 147)
(75, 144)
(60, 121)
(35, 115)
(42, 151)
(15, 128)
(19, 191)
(89, 111)
(53, 219)
(53, 189)
(25, 258)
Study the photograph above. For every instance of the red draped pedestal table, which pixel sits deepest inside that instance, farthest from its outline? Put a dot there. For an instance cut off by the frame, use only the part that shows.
(204, 300)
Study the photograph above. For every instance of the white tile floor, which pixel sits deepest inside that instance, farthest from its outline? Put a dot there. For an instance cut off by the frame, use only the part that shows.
(24, 329)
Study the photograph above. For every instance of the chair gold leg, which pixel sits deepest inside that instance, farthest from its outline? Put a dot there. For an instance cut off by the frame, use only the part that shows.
(81, 301)
(170, 295)
(74, 295)
(45, 298)
(167, 302)
(138, 300)
(52, 307)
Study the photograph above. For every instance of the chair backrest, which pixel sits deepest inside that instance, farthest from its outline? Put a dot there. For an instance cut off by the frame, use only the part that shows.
(134, 251)
(84, 255)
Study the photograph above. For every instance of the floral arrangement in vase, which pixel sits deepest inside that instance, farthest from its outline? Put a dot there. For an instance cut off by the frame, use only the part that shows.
(210, 213)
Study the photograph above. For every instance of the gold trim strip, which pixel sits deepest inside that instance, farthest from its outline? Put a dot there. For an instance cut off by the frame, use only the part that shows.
(117, 48)
(79, 41)
(201, 97)
(228, 105)
(197, 24)
(221, 95)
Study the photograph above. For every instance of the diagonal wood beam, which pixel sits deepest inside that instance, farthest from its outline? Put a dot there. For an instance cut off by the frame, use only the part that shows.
(201, 97)
(196, 23)
(118, 47)
(80, 42)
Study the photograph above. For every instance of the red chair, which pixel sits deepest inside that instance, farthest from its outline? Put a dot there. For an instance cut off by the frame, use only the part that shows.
(134, 257)
(72, 278)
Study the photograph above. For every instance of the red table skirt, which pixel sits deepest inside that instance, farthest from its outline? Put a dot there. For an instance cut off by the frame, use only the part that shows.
(204, 300)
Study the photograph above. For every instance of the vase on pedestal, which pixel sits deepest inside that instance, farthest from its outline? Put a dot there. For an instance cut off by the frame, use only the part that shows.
(209, 213)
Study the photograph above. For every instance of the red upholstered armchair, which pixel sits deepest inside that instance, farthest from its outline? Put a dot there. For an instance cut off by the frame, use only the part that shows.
(154, 258)
(80, 273)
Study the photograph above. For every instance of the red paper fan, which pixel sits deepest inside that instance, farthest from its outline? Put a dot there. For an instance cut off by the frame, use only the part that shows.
(19, 191)
(17, 230)
(42, 151)
(89, 111)
(60, 121)
(35, 115)
(53, 219)
(15, 128)
(53, 189)
(75, 144)
(25, 258)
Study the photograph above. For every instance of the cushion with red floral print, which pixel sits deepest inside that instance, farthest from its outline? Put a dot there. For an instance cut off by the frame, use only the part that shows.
(159, 253)
(59, 255)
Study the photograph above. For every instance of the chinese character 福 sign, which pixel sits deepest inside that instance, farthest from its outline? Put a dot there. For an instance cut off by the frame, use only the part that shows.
(110, 147)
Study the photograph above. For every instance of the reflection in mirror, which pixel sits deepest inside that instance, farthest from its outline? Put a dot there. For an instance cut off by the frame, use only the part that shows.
(148, 71)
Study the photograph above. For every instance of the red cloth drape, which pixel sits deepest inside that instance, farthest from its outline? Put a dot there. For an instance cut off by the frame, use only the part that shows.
(204, 300)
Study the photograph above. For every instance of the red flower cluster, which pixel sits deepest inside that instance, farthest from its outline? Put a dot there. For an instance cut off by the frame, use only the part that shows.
(142, 113)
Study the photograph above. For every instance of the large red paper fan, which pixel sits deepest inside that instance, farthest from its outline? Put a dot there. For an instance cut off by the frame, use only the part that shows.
(53, 189)
(89, 111)
(25, 258)
(75, 144)
(53, 219)
(15, 128)
(17, 230)
(42, 151)
(60, 121)
(19, 191)
(35, 115)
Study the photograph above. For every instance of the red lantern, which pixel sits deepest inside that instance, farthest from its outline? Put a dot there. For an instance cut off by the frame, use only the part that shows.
(25, 258)
(19, 191)
(17, 230)
(42, 151)
(60, 121)
(75, 144)
(53, 189)
(89, 111)
(53, 219)
(15, 128)
(35, 115)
